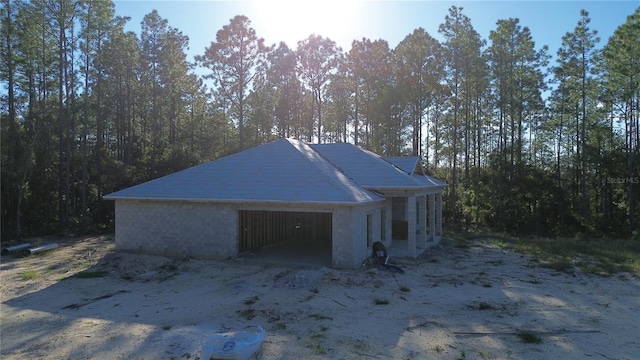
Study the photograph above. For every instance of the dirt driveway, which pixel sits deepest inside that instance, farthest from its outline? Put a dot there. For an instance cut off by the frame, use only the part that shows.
(84, 300)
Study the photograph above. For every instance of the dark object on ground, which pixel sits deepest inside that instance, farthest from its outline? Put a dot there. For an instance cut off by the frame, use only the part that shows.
(15, 248)
(381, 256)
(90, 301)
(390, 268)
(380, 252)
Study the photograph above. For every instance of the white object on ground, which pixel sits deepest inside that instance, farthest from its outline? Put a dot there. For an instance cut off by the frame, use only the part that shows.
(239, 346)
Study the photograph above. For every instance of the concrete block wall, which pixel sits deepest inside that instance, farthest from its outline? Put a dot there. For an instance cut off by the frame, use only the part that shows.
(350, 248)
(362, 250)
(342, 238)
(359, 243)
(173, 228)
(388, 238)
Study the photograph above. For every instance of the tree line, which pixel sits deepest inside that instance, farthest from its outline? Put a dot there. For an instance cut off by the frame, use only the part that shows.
(525, 144)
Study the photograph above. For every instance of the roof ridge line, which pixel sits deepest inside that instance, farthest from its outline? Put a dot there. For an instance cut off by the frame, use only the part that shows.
(333, 166)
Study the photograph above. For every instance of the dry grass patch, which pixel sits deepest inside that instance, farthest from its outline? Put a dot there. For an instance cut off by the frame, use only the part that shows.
(592, 255)
(29, 275)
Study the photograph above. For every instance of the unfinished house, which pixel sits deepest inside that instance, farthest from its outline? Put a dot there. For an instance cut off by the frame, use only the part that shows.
(329, 201)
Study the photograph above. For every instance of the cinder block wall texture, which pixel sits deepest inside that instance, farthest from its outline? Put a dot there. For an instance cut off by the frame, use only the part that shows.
(172, 228)
(342, 238)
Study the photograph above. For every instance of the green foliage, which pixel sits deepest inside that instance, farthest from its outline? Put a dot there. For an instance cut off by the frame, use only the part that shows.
(604, 256)
(420, 70)
(29, 275)
(315, 345)
(529, 338)
(318, 59)
(233, 58)
(379, 301)
(247, 314)
(252, 300)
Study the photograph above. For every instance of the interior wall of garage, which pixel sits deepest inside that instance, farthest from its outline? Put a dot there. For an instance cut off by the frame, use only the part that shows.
(259, 228)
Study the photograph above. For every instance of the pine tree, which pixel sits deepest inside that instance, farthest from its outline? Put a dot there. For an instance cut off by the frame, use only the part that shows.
(318, 59)
(622, 82)
(233, 59)
(518, 81)
(463, 52)
(575, 73)
(420, 70)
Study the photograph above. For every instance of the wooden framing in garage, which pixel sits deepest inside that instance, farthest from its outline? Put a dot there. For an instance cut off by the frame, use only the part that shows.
(259, 228)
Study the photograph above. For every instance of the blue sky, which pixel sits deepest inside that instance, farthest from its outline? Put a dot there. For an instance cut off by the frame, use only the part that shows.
(346, 20)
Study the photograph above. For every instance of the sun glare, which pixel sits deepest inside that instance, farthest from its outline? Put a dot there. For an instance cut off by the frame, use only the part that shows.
(291, 21)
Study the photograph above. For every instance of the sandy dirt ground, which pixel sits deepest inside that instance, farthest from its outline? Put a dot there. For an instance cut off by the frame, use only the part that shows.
(85, 300)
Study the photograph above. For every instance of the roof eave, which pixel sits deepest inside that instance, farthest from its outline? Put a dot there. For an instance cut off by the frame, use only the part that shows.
(238, 201)
(405, 191)
(404, 188)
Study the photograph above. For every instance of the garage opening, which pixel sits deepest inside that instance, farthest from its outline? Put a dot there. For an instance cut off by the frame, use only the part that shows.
(290, 235)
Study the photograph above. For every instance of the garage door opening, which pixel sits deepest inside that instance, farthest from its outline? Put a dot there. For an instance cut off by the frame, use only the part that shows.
(299, 237)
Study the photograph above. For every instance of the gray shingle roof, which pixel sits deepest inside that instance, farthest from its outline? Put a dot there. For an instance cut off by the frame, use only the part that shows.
(409, 164)
(281, 171)
(368, 169)
(405, 163)
(289, 171)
